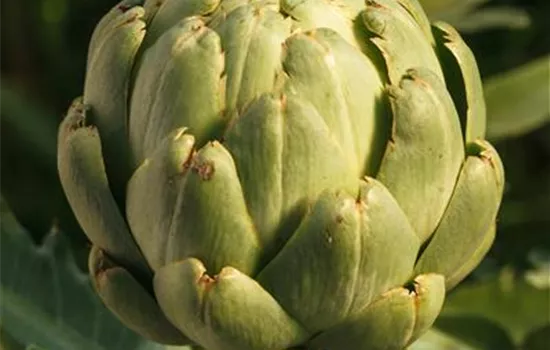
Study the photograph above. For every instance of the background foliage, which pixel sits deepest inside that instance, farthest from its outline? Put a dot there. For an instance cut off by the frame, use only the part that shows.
(505, 304)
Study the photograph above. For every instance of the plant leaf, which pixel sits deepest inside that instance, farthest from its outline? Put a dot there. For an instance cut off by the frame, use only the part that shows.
(518, 101)
(538, 339)
(468, 16)
(447, 10)
(508, 302)
(32, 124)
(476, 331)
(7, 342)
(47, 302)
(435, 339)
(493, 17)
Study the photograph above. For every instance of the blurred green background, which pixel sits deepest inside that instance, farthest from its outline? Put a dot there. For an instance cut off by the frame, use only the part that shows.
(43, 52)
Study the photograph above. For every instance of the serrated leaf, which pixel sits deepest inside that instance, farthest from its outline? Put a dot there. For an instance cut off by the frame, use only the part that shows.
(518, 101)
(47, 302)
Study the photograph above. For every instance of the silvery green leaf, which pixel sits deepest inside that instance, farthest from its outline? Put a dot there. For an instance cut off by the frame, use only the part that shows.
(47, 302)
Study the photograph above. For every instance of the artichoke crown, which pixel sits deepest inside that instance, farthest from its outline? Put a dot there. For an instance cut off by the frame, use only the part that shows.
(264, 175)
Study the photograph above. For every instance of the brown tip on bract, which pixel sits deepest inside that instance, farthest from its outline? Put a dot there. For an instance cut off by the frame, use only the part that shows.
(205, 169)
(206, 281)
(373, 3)
(188, 162)
(123, 8)
(283, 101)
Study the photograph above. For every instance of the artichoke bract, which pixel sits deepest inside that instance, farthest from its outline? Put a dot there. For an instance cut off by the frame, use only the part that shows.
(267, 175)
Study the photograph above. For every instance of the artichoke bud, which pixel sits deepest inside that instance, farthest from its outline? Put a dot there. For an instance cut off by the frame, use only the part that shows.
(265, 175)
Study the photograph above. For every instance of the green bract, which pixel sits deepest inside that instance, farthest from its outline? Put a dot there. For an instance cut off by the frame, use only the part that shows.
(267, 175)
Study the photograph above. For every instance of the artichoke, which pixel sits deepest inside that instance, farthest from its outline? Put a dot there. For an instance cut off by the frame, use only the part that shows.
(268, 175)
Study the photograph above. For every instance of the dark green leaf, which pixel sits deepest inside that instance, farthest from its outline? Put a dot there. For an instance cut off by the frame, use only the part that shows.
(468, 16)
(539, 339)
(493, 17)
(476, 331)
(34, 127)
(509, 302)
(7, 342)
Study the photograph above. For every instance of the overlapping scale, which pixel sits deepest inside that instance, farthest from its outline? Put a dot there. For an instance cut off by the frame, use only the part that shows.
(211, 189)
(425, 150)
(466, 226)
(367, 245)
(138, 310)
(392, 321)
(210, 309)
(112, 50)
(285, 156)
(396, 32)
(84, 180)
(463, 80)
(251, 38)
(178, 84)
(149, 209)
